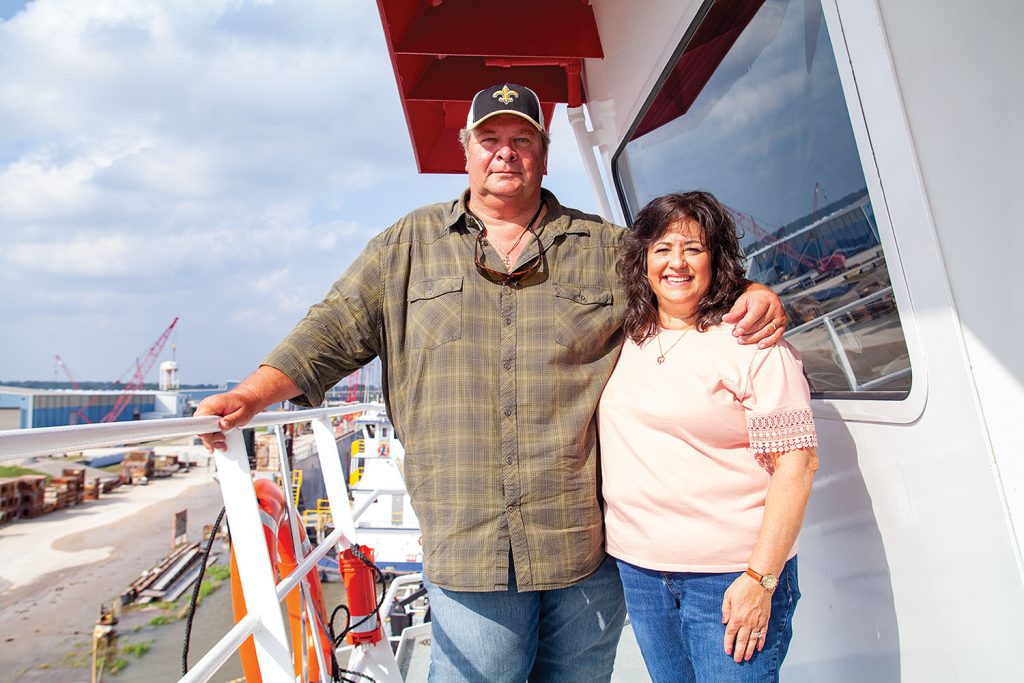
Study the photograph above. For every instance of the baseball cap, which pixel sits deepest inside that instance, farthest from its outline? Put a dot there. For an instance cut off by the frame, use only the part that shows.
(505, 98)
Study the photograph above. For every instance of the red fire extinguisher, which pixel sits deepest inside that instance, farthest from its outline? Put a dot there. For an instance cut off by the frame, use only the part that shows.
(361, 593)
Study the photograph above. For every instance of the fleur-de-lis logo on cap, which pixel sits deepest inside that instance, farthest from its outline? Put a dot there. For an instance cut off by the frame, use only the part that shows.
(505, 95)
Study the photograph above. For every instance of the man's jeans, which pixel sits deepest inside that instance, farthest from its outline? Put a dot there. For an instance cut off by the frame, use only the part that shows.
(554, 636)
(677, 619)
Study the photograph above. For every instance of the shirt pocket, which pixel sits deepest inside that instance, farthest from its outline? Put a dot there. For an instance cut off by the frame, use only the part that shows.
(583, 314)
(435, 312)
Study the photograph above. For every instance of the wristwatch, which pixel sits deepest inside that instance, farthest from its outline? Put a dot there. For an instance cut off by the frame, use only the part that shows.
(767, 581)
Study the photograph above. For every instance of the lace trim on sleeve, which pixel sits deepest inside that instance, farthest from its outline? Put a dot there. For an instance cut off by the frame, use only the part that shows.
(772, 435)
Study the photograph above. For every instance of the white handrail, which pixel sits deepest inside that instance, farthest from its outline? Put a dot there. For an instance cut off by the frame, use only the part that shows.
(839, 350)
(215, 657)
(262, 597)
(26, 443)
(283, 417)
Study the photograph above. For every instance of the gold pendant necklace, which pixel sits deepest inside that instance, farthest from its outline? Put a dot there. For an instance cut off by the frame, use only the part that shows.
(662, 354)
(506, 257)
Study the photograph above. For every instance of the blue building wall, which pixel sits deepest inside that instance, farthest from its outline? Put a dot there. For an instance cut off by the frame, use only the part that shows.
(59, 409)
(194, 396)
(197, 395)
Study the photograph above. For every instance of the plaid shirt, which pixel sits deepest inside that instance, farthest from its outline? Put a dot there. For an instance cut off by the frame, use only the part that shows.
(492, 388)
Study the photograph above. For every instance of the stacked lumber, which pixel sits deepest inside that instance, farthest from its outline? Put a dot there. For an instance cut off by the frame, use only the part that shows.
(22, 497)
(168, 579)
(92, 489)
(10, 499)
(32, 488)
(65, 490)
(165, 465)
(137, 465)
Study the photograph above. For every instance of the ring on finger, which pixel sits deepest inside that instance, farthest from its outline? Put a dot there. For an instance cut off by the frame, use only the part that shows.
(757, 634)
(773, 326)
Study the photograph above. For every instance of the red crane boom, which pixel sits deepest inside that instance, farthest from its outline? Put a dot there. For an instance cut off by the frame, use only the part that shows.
(74, 385)
(139, 378)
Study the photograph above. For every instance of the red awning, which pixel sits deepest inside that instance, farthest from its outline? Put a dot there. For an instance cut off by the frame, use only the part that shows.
(444, 51)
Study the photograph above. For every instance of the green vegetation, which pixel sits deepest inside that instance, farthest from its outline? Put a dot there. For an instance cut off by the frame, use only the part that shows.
(136, 649)
(119, 656)
(218, 572)
(16, 471)
(80, 656)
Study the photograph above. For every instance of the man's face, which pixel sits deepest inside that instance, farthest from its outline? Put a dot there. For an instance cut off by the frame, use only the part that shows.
(505, 158)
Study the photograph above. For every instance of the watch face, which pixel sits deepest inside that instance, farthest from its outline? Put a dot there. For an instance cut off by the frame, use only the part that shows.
(769, 582)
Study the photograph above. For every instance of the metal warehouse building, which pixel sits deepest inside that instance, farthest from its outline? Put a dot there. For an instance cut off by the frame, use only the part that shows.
(22, 408)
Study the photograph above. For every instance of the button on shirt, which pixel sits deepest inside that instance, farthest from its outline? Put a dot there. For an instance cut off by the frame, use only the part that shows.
(492, 387)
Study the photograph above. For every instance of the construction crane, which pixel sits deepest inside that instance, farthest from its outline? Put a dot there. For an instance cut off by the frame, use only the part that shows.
(74, 385)
(824, 264)
(67, 371)
(139, 378)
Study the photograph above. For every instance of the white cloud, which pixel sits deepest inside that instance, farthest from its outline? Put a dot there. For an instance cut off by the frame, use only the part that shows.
(221, 160)
(48, 183)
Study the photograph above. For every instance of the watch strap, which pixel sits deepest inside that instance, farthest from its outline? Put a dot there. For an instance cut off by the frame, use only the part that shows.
(767, 581)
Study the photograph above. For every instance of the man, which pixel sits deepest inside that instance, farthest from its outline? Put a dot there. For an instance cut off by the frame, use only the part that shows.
(497, 320)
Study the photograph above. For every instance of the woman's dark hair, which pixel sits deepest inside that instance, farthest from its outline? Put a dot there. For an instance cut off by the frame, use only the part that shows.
(719, 237)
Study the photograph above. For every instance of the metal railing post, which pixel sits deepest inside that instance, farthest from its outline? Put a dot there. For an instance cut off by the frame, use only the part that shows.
(263, 619)
(255, 570)
(334, 478)
(837, 344)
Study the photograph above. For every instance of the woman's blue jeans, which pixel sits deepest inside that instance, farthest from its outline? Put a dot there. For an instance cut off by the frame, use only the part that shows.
(568, 635)
(677, 619)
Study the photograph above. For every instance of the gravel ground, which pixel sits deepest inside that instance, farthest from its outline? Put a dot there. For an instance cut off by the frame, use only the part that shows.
(57, 570)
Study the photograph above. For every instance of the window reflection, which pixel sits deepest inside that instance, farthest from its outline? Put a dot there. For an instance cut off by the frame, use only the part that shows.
(753, 111)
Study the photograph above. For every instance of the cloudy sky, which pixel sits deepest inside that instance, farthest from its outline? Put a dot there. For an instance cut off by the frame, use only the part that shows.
(218, 160)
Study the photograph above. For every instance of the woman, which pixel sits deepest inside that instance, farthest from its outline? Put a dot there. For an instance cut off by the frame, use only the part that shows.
(708, 455)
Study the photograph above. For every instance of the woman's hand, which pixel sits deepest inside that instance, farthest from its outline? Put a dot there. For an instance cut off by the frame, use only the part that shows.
(745, 609)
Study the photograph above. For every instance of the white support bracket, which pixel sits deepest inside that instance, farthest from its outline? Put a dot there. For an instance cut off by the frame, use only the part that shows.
(334, 479)
(273, 649)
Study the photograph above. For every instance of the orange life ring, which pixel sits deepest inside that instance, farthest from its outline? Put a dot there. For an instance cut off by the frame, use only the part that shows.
(382, 450)
(278, 533)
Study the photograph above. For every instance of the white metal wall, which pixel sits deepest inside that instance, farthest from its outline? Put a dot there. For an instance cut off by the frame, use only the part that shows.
(958, 65)
(909, 565)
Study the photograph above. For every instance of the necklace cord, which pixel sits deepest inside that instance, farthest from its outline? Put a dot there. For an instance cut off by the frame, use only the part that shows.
(506, 257)
(662, 354)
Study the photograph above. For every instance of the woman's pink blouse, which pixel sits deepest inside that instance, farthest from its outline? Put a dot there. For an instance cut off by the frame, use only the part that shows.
(688, 447)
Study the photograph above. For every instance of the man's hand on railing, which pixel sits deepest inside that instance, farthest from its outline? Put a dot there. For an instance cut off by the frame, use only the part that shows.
(236, 407)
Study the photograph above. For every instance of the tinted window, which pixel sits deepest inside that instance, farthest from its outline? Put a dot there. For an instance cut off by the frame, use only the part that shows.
(753, 111)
